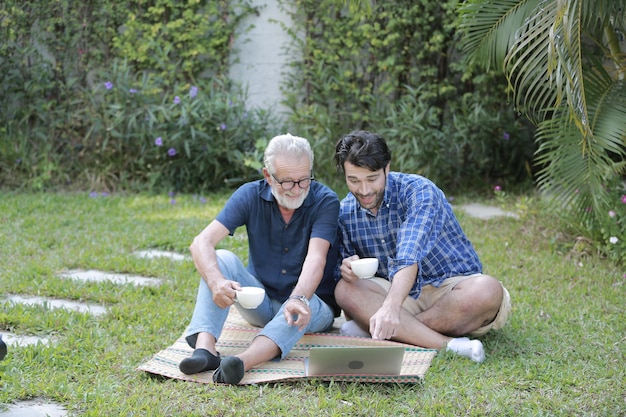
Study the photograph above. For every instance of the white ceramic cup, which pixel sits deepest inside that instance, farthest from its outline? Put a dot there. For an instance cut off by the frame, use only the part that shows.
(365, 267)
(250, 297)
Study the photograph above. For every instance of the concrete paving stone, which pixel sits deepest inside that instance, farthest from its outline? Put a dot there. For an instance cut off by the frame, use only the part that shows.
(486, 212)
(100, 276)
(14, 340)
(53, 303)
(32, 408)
(153, 253)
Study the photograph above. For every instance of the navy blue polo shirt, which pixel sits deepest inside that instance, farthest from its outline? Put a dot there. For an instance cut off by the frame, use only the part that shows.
(277, 250)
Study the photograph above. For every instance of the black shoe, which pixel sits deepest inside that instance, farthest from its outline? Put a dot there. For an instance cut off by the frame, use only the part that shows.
(200, 361)
(230, 371)
(3, 348)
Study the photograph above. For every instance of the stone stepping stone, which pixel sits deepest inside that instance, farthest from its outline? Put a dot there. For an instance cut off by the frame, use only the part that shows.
(33, 408)
(53, 303)
(12, 339)
(153, 253)
(96, 310)
(486, 212)
(100, 276)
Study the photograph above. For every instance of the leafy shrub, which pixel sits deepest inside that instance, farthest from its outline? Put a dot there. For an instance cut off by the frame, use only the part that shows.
(34, 118)
(193, 138)
(396, 70)
(473, 146)
(61, 127)
(182, 41)
(608, 230)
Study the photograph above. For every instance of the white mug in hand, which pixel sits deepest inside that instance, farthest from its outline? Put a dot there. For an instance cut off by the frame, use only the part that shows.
(365, 267)
(250, 297)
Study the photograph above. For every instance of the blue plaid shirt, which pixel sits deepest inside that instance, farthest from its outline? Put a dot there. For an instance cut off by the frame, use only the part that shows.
(414, 224)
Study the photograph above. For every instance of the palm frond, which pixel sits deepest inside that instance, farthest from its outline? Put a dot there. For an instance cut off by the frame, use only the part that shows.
(597, 12)
(565, 66)
(544, 64)
(489, 28)
(568, 174)
(607, 107)
(527, 69)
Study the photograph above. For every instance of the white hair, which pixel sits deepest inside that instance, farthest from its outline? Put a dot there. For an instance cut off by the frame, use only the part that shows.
(287, 145)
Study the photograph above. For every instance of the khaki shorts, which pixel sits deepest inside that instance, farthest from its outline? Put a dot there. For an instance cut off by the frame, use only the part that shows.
(430, 294)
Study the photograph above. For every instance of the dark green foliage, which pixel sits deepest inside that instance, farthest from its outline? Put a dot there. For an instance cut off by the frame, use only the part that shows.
(192, 138)
(397, 70)
(89, 87)
(183, 40)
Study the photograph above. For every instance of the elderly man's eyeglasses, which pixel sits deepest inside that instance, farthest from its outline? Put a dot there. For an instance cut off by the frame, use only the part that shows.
(288, 185)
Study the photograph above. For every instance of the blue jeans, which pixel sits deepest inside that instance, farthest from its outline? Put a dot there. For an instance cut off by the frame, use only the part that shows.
(208, 317)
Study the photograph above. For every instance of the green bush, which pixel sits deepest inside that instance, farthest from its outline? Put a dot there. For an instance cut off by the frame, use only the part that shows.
(396, 70)
(131, 132)
(194, 137)
(606, 231)
(35, 117)
(181, 40)
(61, 127)
(473, 147)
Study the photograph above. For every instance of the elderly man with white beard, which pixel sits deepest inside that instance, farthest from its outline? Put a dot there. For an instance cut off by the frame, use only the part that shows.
(291, 223)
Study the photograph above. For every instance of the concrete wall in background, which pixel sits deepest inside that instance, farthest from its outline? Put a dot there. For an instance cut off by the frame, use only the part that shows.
(261, 55)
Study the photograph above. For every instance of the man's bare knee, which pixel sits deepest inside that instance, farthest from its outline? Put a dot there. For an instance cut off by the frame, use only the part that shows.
(344, 294)
(491, 293)
(483, 291)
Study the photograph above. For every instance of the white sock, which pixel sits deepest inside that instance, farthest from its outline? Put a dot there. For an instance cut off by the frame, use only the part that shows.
(350, 328)
(472, 349)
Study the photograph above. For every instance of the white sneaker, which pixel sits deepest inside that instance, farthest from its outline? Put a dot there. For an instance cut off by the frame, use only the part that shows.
(350, 328)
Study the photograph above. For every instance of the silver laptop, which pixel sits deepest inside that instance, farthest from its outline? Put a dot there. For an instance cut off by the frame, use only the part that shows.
(354, 360)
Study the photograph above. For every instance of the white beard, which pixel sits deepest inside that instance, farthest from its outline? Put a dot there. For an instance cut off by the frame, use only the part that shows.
(289, 203)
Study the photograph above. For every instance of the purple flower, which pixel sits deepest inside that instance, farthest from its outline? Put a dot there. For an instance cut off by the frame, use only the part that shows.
(193, 91)
(171, 194)
(176, 100)
(506, 136)
(223, 126)
(132, 91)
(171, 152)
(611, 213)
(202, 200)
(108, 85)
(624, 199)
(93, 194)
(497, 188)
(158, 141)
(172, 201)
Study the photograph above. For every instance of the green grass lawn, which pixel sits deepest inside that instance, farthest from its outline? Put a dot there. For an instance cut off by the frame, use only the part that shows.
(561, 354)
